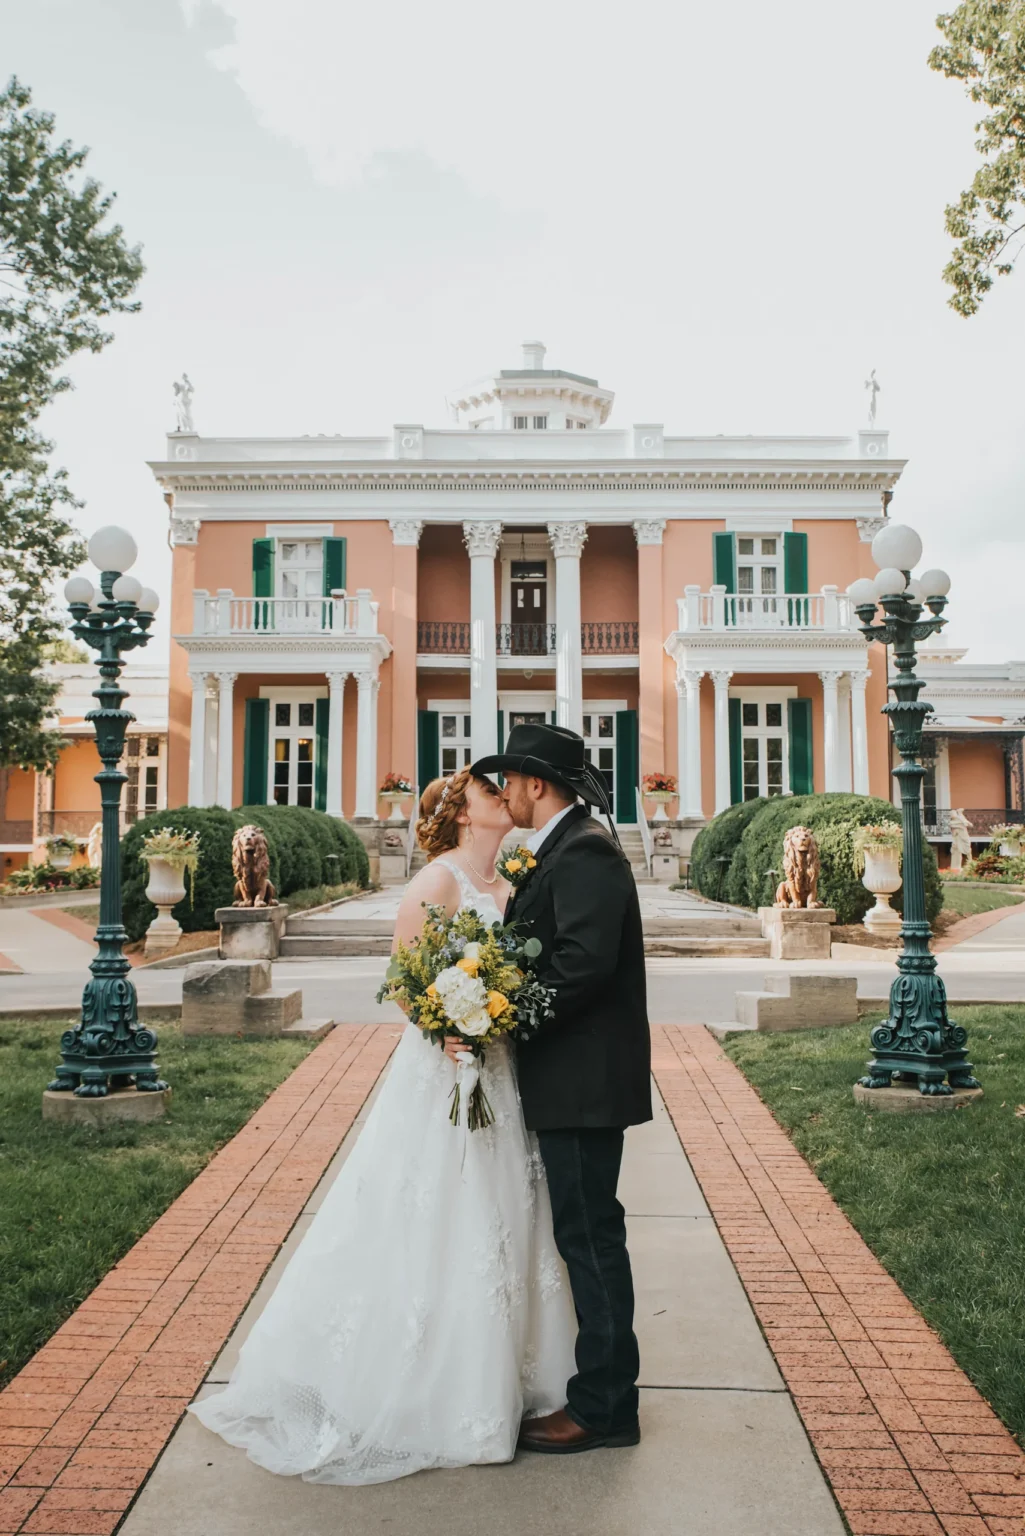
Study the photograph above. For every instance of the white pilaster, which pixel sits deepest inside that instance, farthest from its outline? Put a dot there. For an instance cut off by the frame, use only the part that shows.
(210, 741)
(197, 740)
(859, 732)
(568, 541)
(688, 737)
(943, 774)
(366, 746)
(225, 737)
(406, 530)
(482, 540)
(722, 740)
(336, 700)
(831, 730)
(844, 701)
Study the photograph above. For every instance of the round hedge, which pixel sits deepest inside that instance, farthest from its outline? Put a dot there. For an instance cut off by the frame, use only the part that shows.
(300, 842)
(720, 839)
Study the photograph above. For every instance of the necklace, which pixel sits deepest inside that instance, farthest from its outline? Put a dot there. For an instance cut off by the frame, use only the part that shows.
(492, 881)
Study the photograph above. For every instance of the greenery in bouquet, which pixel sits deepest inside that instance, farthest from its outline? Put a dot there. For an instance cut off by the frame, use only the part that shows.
(516, 865)
(465, 980)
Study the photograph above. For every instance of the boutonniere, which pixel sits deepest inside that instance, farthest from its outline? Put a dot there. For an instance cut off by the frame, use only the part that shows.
(516, 866)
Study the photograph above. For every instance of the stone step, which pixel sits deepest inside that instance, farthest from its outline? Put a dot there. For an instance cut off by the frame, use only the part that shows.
(308, 948)
(736, 948)
(272, 1012)
(308, 1029)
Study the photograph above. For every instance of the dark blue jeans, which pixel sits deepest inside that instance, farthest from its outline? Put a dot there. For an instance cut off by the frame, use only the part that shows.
(590, 1234)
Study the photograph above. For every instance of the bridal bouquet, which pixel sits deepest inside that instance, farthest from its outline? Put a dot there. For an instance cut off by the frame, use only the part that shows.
(466, 980)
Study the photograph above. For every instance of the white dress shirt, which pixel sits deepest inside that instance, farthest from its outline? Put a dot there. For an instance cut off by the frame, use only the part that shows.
(536, 839)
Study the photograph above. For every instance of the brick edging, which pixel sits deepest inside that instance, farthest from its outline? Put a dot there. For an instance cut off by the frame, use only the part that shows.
(83, 1424)
(909, 1446)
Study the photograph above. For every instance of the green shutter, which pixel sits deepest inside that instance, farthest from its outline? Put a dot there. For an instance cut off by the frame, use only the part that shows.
(323, 714)
(801, 764)
(554, 719)
(263, 567)
(334, 565)
(724, 562)
(257, 740)
(736, 754)
(426, 746)
(627, 765)
(795, 574)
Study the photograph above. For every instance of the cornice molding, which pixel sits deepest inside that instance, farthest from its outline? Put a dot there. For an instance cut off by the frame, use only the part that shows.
(221, 650)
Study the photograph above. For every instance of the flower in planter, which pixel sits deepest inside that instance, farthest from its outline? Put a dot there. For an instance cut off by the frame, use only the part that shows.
(659, 784)
(879, 839)
(61, 843)
(180, 850)
(396, 784)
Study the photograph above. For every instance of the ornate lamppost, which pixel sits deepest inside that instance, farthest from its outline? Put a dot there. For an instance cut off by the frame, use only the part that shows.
(918, 1042)
(108, 1047)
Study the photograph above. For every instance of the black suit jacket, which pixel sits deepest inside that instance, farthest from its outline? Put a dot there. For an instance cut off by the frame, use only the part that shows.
(590, 1066)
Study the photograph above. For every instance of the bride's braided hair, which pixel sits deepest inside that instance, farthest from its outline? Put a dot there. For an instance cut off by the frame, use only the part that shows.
(437, 829)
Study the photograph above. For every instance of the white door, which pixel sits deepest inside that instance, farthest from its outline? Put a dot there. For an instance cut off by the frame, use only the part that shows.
(454, 739)
(599, 734)
(764, 747)
(293, 748)
(300, 583)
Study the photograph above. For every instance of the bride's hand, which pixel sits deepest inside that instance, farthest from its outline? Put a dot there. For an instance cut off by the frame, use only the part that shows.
(454, 1047)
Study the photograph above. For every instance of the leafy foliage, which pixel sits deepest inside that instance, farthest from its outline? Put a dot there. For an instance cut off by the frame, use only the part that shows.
(719, 841)
(63, 269)
(985, 47)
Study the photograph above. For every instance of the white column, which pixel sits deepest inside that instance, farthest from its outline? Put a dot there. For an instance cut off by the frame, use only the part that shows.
(366, 746)
(831, 729)
(688, 737)
(482, 540)
(336, 700)
(844, 701)
(859, 732)
(722, 740)
(197, 740)
(225, 737)
(943, 774)
(567, 541)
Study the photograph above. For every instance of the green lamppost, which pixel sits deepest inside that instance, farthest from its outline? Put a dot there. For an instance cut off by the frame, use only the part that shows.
(108, 1048)
(918, 1042)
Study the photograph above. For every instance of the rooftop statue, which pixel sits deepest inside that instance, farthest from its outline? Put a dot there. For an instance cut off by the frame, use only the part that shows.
(872, 384)
(183, 393)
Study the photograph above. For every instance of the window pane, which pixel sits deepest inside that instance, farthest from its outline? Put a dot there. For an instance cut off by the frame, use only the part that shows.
(466, 725)
(745, 579)
(604, 725)
(132, 747)
(305, 752)
(773, 715)
(520, 423)
(774, 749)
(282, 747)
(304, 795)
(152, 746)
(288, 551)
(749, 714)
(305, 714)
(448, 725)
(587, 725)
(448, 760)
(466, 757)
(540, 422)
(768, 579)
(282, 714)
(289, 585)
(606, 758)
(314, 580)
(750, 751)
(769, 547)
(312, 551)
(745, 546)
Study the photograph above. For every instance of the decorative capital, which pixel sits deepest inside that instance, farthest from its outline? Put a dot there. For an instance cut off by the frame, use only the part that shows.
(830, 678)
(226, 679)
(720, 678)
(336, 679)
(567, 539)
(366, 679)
(858, 680)
(185, 530)
(649, 530)
(482, 539)
(406, 530)
(688, 680)
(868, 527)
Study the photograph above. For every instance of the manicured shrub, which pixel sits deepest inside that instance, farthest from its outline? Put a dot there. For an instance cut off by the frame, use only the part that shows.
(720, 839)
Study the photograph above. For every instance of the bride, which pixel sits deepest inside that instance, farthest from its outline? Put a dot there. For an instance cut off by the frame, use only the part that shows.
(426, 1310)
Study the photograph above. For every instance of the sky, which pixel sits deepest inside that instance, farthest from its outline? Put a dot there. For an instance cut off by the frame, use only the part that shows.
(727, 214)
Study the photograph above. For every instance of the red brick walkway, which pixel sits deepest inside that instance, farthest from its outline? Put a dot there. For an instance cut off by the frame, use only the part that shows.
(908, 1444)
(85, 1421)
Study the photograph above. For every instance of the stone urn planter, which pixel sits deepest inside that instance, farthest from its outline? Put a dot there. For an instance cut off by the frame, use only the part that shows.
(882, 878)
(659, 788)
(60, 852)
(661, 799)
(396, 789)
(395, 801)
(165, 889)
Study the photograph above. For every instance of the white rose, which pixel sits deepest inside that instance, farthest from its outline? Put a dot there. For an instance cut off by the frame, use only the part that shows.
(476, 1023)
(471, 951)
(461, 995)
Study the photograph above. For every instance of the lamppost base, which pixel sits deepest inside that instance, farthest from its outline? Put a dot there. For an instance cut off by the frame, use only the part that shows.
(902, 1100)
(124, 1104)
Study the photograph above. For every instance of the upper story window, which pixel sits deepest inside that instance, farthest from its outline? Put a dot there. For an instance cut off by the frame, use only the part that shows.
(759, 566)
(525, 423)
(573, 423)
(300, 568)
(144, 764)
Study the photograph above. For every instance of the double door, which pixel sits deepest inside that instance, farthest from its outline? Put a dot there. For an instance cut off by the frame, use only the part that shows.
(528, 591)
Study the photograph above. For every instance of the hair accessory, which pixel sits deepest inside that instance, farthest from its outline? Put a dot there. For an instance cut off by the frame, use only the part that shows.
(441, 803)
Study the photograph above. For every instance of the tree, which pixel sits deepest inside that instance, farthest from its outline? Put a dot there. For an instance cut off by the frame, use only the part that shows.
(985, 46)
(63, 269)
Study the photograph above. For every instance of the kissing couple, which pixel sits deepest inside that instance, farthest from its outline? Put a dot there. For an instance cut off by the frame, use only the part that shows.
(461, 1295)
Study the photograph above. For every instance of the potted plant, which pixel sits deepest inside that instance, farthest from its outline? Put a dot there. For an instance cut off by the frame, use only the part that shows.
(169, 854)
(60, 850)
(395, 789)
(660, 787)
(1009, 837)
(877, 856)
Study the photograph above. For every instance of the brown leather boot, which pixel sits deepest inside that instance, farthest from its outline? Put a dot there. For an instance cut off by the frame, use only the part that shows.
(559, 1435)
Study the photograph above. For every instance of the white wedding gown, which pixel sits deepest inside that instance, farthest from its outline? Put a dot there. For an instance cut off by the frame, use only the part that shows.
(426, 1310)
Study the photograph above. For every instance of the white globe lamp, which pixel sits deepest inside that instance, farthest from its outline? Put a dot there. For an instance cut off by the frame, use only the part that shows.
(898, 546)
(916, 592)
(79, 590)
(862, 592)
(936, 583)
(889, 583)
(127, 589)
(148, 600)
(112, 549)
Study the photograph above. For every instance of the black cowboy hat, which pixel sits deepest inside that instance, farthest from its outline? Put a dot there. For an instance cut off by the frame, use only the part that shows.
(549, 752)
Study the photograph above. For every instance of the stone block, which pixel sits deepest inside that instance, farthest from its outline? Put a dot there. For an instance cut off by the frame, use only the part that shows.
(215, 993)
(799, 1002)
(908, 1101)
(665, 866)
(797, 933)
(393, 869)
(124, 1104)
(269, 1013)
(251, 933)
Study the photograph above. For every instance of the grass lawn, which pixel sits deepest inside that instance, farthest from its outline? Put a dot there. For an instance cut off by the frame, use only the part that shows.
(87, 913)
(72, 1202)
(967, 899)
(939, 1198)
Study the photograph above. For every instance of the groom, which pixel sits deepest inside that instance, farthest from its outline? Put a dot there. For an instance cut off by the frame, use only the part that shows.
(586, 1075)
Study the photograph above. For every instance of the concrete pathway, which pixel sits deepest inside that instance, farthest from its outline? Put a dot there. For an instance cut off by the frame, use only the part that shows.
(723, 1454)
(40, 944)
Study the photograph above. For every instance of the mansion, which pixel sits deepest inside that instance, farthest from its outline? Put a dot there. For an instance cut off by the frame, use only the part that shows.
(345, 607)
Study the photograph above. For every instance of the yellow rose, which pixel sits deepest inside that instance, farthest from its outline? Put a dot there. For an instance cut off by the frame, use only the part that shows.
(432, 991)
(514, 866)
(471, 967)
(531, 863)
(497, 1004)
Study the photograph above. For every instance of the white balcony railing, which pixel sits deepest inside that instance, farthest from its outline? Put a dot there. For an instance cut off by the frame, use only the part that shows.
(828, 611)
(339, 614)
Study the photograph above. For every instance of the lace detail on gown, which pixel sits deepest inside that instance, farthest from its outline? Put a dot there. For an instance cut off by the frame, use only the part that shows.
(426, 1310)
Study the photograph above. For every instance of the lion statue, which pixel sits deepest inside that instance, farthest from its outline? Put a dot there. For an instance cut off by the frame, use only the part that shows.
(250, 864)
(800, 884)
